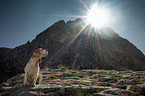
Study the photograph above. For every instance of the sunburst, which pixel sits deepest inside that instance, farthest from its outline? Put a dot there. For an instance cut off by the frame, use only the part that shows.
(98, 16)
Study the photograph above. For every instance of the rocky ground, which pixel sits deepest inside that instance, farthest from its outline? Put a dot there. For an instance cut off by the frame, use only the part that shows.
(58, 82)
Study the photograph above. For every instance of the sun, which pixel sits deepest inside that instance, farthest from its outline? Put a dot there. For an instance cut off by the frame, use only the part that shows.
(98, 16)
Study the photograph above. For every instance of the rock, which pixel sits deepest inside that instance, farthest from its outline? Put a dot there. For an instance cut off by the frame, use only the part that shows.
(45, 89)
(117, 91)
(108, 80)
(67, 74)
(71, 94)
(104, 84)
(71, 85)
(5, 94)
(96, 76)
(128, 82)
(29, 93)
(52, 94)
(3, 89)
(140, 90)
(61, 91)
(70, 89)
(97, 94)
(90, 73)
(19, 82)
(4, 84)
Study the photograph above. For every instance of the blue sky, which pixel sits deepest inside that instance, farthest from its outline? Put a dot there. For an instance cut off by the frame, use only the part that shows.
(22, 20)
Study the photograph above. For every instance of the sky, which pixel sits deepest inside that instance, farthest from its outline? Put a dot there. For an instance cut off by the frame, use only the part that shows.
(22, 20)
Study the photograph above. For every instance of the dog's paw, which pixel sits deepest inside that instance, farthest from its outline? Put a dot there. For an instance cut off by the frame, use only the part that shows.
(33, 85)
(26, 84)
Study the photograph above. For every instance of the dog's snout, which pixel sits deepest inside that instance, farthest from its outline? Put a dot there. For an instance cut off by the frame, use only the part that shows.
(46, 50)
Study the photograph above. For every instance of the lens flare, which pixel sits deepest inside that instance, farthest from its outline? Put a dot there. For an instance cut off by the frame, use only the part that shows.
(98, 16)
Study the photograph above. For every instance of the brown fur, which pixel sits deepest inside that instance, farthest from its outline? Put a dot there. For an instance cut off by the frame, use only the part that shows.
(32, 75)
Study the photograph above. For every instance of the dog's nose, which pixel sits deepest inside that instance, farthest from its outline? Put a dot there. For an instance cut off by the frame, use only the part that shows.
(46, 51)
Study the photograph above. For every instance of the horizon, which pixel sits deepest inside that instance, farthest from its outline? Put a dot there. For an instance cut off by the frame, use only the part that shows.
(23, 21)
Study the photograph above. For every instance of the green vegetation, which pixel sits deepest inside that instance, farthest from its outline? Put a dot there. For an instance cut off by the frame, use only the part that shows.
(80, 94)
(129, 71)
(52, 77)
(119, 76)
(63, 68)
(96, 76)
(82, 75)
(74, 72)
(48, 69)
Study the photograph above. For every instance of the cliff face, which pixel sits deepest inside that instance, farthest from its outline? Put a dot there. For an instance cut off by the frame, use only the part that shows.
(96, 48)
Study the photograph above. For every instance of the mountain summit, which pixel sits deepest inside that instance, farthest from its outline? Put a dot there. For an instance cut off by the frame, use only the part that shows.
(75, 46)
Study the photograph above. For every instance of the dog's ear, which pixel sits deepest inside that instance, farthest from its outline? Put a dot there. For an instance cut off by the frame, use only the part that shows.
(37, 52)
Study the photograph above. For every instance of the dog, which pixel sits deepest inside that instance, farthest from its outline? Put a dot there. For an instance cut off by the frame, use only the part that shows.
(32, 75)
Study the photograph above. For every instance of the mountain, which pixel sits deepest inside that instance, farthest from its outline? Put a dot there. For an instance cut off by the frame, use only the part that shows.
(76, 47)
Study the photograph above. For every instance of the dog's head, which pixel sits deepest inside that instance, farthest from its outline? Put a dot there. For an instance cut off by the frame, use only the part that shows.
(40, 53)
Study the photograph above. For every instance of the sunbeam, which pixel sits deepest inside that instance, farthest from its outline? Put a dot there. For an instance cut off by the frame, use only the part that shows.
(96, 18)
(69, 43)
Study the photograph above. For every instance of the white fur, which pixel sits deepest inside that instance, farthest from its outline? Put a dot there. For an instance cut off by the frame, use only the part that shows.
(32, 68)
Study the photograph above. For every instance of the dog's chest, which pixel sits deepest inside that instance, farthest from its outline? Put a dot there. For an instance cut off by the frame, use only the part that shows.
(33, 66)
(34, 69)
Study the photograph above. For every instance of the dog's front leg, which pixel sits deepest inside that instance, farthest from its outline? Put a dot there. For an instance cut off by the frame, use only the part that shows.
(39, 79)
(25, 80)
(35, 79)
